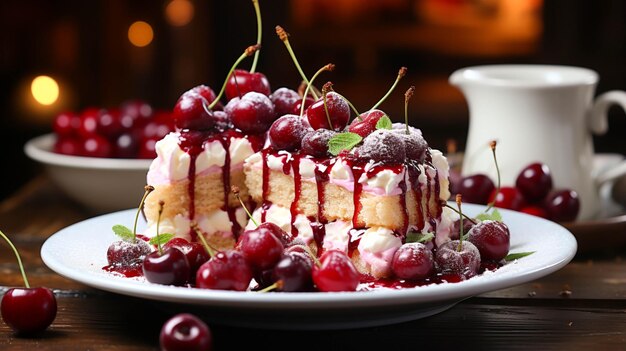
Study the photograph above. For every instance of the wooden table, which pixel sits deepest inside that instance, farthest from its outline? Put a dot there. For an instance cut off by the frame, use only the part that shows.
(580, 307)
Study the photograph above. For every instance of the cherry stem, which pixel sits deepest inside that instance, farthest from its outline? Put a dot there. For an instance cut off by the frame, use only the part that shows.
(284, 36)
(462, 214)
(277, 285)
(148, 189)
(259, 33)
(207, 247)
(235, 190)
(401, 73)
(328, 67)
(325, 89)
(161, 204)
(19, 260)
(492, 144)
(407, 96)
(248, 52)
(458, 203)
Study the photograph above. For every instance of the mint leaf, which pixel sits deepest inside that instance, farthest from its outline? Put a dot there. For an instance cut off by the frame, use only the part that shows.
(161, 239)
(494, 216)
(515, 256)
(413, 237)
(343, 141)
(384, 123)
(123, 232)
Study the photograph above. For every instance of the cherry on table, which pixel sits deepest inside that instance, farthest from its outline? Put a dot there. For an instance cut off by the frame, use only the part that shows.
(336, 272)
(187, 332)
(227, 270)
(492, 239)
(534, 182)
(508, 197)
(562, 205)
(169, 267)
(476, 188)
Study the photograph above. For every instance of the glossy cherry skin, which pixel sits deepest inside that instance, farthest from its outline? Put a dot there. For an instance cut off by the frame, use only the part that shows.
(66, 124)
(88, 122)
(285, 238)
(185, 332)
(475, 189)
(191, 112)
(508, 197)
(297, 107)
(194, 251)
(261, 248)
(252, 113)
(413, 261)
(124, 253)
(169, 268)
(338, 112)
(284, 100)
(492, 239)
(335, 273)
(286, 133)
(28, 310)
(227, 270)
(293, 271)
(97, 146)
(534, 182)
(562, 205)
(241, 82)
(208, 94)
(451, 260)
(365, 123)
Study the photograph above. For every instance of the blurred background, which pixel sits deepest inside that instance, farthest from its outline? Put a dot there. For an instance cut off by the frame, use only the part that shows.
(67, 55)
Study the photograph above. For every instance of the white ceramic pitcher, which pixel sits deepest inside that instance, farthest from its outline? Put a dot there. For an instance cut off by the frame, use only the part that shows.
(537, 113)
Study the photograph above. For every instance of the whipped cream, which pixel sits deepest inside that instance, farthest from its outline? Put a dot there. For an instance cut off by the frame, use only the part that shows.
(172, 163)
(377, 247)
(216, 222)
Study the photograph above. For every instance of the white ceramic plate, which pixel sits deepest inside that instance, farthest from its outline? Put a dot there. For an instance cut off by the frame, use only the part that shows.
(78, 252)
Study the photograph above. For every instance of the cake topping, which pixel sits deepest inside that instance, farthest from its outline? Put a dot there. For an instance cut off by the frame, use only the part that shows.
(382, 146)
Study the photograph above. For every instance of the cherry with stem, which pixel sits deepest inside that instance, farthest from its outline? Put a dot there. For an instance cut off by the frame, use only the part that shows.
(401, 74)
(284, 37)
(248, 52)
(328, 67)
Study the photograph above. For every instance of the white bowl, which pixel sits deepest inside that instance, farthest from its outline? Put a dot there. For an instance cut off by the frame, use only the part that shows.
(100, 184)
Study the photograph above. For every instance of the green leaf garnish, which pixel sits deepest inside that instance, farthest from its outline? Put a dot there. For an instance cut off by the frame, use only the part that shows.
(413, 237)
(384, 123)
(123, 232)
(515, 256)
(343, 141)
(494, 216)
(161, 239)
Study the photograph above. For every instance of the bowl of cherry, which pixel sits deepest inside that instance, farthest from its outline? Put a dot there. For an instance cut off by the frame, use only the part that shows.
(100, 157)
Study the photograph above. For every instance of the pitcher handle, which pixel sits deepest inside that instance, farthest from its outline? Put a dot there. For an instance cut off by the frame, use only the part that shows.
(598, 124)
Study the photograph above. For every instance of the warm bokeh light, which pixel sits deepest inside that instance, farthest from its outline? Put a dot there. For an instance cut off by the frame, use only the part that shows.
(45, 90)
(179, 12)
(140, 34)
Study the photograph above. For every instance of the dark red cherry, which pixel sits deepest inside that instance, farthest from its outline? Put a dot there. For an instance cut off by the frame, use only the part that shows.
(294, 272)
(66, 124)
(476, 189)
(338, 112)
(413, 261)
(284, 100)
(252, 113)
(286, 133)
(97, 146)
(382, 146)
(562, 205)
(222, 120)
(455, 231)
(366, 122)
(492, 239)
(242, 82)
(28, 310)
(535, 211)
(194, 252)
(227, 270)
(508, 197)
(261, 248)
(88, 122)
(534, 182)
(336, 272)
(414, 143)
(126, 146)
(208, 94)
(297, 107)
(109, 123)
(169, 268)
(147, 148)
(185, 332)
(139, 111)
(125, 253)
(315, 143)
(285, 238)
(451, 260)
(191, 112)
(68, 146)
